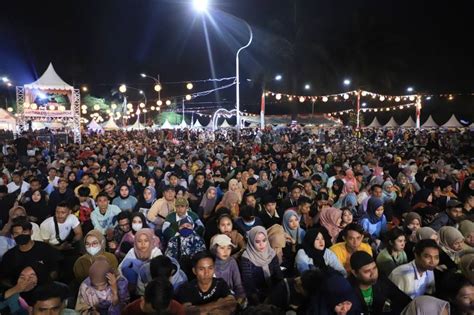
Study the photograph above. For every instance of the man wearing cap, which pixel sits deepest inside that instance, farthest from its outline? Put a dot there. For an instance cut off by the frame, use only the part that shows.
(376, 293)
(450, 217)
(170, 226)
(269, 215)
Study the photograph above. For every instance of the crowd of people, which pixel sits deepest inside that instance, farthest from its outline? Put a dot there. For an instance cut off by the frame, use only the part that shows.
(189, 222)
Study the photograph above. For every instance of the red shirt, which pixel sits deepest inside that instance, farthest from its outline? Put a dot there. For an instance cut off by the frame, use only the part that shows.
(133, 308)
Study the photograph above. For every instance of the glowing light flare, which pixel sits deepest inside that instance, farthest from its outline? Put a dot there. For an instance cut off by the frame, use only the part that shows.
(189, 86)
(123, 88)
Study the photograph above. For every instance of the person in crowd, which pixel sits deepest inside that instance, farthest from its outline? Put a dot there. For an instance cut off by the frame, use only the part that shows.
(104, 215)
(86, 206)
(124, 200)
(157, 300)
(331, 219)
(87, 181)
(291, 225)
(427, 305)
(450, 217)
(60, 194)
(226, 266)
(231, 200)
(416, 278)
(72, 181)
(292, 200)
(208, 203)
(459, 292)
(393, 255)
(37, 207)
(161, 266)
(63, 229)
(26, 252)
(17, 186)
(114, 237)
(170, 226)
(95, 246)
(50, 299)
(376, 293)
(146, 200)
(185, 244)
(103, 291)
(145, 247)
(375, 222)
(277, 239)
(411, 223)
(353, 236)
(247, 220)
(19, 211)
(466, 227)
(206, 294)
(269, 214)
(259, 266)
(160, 208)
(315, 253)
(138, 222)
(225, 226)
(303, 210)
(451, 242)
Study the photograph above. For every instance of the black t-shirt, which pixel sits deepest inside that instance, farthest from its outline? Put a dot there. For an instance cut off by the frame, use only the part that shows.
(21, 146)
(15, 260)
(190, 292)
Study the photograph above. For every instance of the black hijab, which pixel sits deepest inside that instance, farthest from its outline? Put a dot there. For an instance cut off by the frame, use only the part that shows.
(308, 246)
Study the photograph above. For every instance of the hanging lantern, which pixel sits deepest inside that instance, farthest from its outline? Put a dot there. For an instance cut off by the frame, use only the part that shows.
(278, 96)
(113, 106)
(142, 105)
(52, 107)
(387, 109)
(84, 111)
(159, 102)
(375, 109)
(397, 99)
(411, 98)
(129, 106)
(152, 108)
(325, 99)
(157, 87)
(363, 93)
(189, 86)
(382, 98)
(335, 98)
(301, 99)
(290, 98)
(123, 88)
(188, 97)
(168, 102)
(346, 96)
(33, 106)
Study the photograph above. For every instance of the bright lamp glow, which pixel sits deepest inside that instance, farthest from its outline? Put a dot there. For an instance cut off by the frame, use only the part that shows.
(278, 77)
(347, 82)
(168, 102)
(158, 87)
(409, 89)
(189, 86)
(200, 5)
(307, 86)
(123, 88)
(143, 75)
(5, 79)
(188, 97)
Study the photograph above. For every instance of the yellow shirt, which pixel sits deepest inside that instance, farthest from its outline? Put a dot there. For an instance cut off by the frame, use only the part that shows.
(94, 190)
(344, 256)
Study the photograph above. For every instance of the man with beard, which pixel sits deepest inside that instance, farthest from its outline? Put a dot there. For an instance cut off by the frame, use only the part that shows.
(416, 278)
(376, 293)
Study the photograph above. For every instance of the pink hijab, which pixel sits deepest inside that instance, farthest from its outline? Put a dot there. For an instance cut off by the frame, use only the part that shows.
(153, 240)
(329, 218)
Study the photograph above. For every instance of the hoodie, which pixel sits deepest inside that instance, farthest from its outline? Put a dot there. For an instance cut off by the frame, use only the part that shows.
(144, 276)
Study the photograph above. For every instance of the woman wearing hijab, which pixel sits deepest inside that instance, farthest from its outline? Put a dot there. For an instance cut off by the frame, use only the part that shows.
(208, 202)
(451, 242)
(124, 200)
(466, 227)
(95, 246)
(146, 246)
(72, 181)
(388, 193)
(350, 179)
(138, 222)
(291, 225)
(427, 305)
(263, 181)
(375, 222)
(104, 291)
(466, 265)
(315, 253)
(259, 266)
(236, 187)
(146, 200)
(331, 219)
(231, 200)
(422, 204)
(37, 207)
(350, 198)
(336, 190)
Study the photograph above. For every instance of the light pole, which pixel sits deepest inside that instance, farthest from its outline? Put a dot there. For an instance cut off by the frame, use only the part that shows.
(123, 89)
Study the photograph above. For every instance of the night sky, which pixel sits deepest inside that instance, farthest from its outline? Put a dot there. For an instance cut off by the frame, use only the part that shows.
(383, 46)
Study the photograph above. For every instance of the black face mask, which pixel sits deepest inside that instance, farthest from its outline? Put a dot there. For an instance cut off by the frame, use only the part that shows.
(22, 239)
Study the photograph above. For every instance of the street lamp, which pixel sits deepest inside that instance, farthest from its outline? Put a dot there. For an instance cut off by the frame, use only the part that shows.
(410, 89)
(278, 77)
(5, 79)
(200, 5)
(123, 88)
(307, 86)
(347, 82)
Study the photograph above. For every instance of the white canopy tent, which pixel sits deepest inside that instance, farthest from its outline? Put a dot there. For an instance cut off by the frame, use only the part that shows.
(166, 125)
(430, 123)
(50, 80)
(453, 122)
(136, 126)
(410, 123)
(95, 127)
(197, 124)
(225, 124)
(391, 123)
(7, 121)
(110, 125)
(183, 125)
(374, 124)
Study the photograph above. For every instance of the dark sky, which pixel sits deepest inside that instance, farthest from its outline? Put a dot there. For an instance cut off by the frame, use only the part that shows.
(384, 46)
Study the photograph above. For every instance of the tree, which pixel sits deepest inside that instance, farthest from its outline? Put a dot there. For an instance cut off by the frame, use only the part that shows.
(91, 101)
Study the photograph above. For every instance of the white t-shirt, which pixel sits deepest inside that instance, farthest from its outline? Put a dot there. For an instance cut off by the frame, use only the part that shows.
(48, 231)
(12, 187)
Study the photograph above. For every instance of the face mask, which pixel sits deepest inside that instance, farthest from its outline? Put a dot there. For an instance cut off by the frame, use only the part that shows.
(22, 239)
(137, 226)
(249, 223)
(185, 232)
(150, 168)
(93, 250)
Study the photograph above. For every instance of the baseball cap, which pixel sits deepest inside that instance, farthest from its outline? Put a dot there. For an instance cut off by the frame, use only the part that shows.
(452, 203)
(251, 181)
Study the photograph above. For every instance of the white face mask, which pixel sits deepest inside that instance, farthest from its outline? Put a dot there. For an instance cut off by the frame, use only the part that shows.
(137, 226)
(93, 250)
